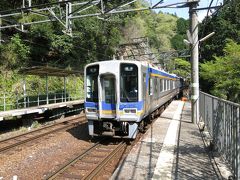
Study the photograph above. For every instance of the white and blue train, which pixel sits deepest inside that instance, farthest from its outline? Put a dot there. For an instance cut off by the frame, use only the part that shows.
(121, 94)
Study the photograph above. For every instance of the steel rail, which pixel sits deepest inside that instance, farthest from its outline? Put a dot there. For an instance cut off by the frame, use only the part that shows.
(39, 135)
(98, 169)
(94, 172)
(73, 161)
(39, 129)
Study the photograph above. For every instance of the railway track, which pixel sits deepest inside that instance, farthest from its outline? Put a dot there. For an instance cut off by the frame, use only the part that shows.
(15, 141)
(88, 165)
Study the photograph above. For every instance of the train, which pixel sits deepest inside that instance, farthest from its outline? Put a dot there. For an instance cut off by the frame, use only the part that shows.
(121, 95)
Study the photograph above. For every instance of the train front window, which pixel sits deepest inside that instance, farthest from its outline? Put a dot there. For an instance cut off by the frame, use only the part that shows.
(128, 83)
(92, 83)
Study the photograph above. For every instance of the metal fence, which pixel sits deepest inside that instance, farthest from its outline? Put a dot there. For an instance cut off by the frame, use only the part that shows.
(10, 101)
(222, 119)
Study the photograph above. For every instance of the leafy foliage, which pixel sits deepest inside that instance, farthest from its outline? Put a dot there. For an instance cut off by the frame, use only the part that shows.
(14, 54)
(226, 25)
(182, 68)
(160, 29)
(177, 40)
(94, 39)
(219, 73)
(224, 72)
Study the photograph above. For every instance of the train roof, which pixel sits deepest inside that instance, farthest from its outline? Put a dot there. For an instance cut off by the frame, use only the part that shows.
(117, 61)
(153, 68)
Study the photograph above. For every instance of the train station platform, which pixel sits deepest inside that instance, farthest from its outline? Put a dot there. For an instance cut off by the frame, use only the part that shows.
(38, 109)
(172, 148)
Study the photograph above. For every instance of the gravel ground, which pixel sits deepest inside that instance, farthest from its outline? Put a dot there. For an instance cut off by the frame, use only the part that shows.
(17, 129)
(35, 160)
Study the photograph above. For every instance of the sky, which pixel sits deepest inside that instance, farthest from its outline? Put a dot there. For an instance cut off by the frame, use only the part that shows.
(183, 12)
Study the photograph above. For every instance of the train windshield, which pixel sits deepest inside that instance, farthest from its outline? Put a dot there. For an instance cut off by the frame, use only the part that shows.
(128, 83)
(92, 83)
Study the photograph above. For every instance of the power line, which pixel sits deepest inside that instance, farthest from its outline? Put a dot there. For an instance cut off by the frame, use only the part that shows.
(209, 7)
(206, 19)
(214, 14)
(35, 6)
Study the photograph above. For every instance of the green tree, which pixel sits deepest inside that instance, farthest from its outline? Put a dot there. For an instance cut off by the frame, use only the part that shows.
(177, 40)
(13, 54)
(223, 73)
(94, 39)
(182, 68)
(160, 29)
(226, 25)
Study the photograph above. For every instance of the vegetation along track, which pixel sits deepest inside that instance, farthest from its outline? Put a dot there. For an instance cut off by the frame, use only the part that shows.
(88, 165)
(12, 142)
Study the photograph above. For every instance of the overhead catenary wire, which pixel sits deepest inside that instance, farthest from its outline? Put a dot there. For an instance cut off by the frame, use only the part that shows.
(213, 14)
(35, 6)
(209, 7)
(104, 55)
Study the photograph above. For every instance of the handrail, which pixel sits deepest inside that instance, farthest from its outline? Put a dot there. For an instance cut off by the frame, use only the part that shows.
(10, 101)
(222, 119)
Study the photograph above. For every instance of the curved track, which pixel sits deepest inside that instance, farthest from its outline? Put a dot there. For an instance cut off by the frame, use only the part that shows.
(12, 142)
(88, 165)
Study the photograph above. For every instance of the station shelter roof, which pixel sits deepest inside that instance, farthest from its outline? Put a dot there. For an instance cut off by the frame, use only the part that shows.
(50, 71)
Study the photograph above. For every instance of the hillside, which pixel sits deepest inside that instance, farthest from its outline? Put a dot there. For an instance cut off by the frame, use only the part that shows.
(94, 39)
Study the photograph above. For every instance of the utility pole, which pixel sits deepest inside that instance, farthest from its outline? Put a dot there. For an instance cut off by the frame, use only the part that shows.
(194, 59)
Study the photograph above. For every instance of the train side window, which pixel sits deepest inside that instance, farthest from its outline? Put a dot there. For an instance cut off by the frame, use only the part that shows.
(150, 86)
(161, 85)
(158, 87)
(155, 88)
(144, 86)
(166, 84)
(155, 85)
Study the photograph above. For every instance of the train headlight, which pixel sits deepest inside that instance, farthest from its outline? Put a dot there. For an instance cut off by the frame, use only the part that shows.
(130, 111)
(91, 110)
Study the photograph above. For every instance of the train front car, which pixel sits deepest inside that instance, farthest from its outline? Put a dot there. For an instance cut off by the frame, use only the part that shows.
(112, 103)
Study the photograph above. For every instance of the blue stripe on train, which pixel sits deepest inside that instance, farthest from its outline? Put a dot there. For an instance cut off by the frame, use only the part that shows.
(154, 71)
(91, 105)
(107, 106)
(137, 105)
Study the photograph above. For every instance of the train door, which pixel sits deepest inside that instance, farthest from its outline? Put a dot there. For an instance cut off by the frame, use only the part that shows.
(107, 94)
